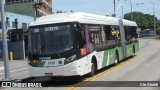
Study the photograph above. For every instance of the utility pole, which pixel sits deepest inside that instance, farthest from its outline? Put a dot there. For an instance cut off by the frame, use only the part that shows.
(131, 10)
(114, 4)
(5, 46)
(154, 20)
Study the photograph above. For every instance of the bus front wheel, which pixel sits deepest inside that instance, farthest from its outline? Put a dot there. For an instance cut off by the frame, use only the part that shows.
(93, 69)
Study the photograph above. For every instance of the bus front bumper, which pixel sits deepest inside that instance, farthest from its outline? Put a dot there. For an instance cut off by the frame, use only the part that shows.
(70, 69)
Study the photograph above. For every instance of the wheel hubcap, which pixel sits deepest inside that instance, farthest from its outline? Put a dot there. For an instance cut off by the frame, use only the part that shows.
(116, 61)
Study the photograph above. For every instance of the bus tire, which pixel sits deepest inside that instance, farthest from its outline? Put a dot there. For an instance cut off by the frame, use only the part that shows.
(134, 51)
(93, 69)
(116, 60)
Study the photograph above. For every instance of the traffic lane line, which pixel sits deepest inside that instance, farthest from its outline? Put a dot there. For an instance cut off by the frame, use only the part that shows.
(75, 87)
(101, 74)
(15, 70)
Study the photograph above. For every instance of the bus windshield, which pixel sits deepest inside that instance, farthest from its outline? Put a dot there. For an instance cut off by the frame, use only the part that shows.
(49, 40)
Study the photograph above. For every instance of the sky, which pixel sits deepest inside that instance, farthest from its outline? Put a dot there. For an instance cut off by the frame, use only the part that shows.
(105, 7)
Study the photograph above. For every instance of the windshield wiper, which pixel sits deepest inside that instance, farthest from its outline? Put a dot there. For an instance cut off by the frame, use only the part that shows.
(58, 53)
(54, 51)
(39, 50)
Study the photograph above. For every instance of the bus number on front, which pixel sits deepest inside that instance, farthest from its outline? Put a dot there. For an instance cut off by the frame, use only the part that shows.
(51, 63)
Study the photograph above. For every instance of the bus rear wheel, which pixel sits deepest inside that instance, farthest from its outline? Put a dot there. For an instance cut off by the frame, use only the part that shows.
(116, 61)
(133, 52)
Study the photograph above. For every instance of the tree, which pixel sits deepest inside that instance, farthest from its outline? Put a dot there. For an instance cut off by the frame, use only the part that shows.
(143, 21)
(158, 27)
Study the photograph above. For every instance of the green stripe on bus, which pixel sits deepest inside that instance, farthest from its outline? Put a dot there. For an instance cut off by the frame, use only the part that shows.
(129, 50)
(111, 56)
(105, 58)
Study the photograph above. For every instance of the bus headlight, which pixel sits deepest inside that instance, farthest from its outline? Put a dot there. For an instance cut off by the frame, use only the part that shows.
(70, 59)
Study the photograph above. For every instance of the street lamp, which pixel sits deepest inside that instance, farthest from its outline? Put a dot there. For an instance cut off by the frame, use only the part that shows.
(114, 7)
(118, 8)
(154, 21)
(16, 23)
(131, 10)
(114, 4)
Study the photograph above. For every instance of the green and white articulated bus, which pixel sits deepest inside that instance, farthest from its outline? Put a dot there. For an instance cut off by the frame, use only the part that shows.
(76, 43)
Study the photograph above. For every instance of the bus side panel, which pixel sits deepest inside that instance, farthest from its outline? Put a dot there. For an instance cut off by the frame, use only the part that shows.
(85, 62)
(109, 56)
(105, 58)
(129, 50)
(136, 46)
(84, 65)
(120, 53)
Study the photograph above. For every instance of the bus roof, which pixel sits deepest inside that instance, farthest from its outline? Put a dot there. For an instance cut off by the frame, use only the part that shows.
(81, 18)
(128, 23)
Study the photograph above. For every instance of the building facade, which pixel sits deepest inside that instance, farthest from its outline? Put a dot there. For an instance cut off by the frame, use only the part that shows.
(44, 7)
(35, 8)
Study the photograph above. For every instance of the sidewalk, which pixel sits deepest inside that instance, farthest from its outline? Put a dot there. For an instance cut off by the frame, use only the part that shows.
(1, 62)
(10, 61)
(13, 63)
(18, 68)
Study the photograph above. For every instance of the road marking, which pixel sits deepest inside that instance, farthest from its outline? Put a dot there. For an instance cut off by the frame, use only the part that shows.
(75, 87)
(101, 74)
(15, 70)
(1, 68)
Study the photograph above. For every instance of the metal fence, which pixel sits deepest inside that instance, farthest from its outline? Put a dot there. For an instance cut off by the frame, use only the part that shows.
(15, 47)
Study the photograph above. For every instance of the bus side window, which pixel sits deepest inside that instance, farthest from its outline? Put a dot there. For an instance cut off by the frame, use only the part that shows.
(131, 33)
(108, 33)
(109, 37)
(127, 30)
(80, 34)
(82, 38)
(134, 34)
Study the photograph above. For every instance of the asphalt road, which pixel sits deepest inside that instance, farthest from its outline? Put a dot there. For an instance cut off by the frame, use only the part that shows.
(143, 67)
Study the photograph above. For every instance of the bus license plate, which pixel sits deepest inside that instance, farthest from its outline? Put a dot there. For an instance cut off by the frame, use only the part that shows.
(48, 74)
